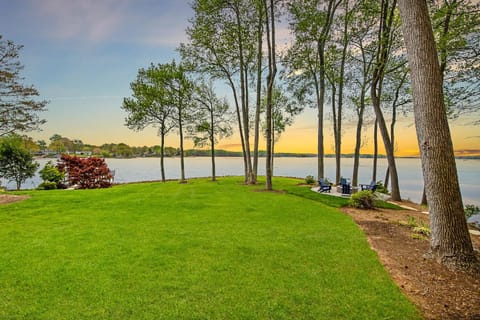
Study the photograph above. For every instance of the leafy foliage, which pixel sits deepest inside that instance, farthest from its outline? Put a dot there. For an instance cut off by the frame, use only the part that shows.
(364, 200)
(309, 179)
(16, 162)
(18, 109)
(85, 173)
(51, 176)
(471, 210)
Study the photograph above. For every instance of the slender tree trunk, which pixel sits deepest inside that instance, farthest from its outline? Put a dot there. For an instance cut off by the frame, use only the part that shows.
(450, 240)
(358, 137)
(376, 91)
(332, 7)
(244, 99)
(375, 151)
(240, 127)
(335, 134)
(182, 160)
(259, 92)
(212, 143)
(272, 70)
(162, 154)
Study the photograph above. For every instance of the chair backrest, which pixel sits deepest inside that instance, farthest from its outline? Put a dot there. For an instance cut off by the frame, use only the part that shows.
(322, 182)
(343, 181)
(373, 184)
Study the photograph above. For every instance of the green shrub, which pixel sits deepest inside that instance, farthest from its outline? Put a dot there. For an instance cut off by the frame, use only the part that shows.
(381, 188)
(363, 199)
(47, 185)
(309, 179)
(50, 173)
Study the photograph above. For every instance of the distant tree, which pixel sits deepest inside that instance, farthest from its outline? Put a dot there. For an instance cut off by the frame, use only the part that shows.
(42, 145)
(213, 120)
(16, 162)
(149, 105)
(18, 108)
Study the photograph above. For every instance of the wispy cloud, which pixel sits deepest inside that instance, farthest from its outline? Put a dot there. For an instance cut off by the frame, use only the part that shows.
(94, 21)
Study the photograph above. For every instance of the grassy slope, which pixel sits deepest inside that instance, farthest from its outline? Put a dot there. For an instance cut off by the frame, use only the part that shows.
(195, 251)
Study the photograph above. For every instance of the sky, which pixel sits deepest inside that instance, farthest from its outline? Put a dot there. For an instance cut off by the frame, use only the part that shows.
(82, 55)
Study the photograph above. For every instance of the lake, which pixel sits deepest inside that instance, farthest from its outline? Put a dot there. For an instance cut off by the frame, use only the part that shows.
(409, 171)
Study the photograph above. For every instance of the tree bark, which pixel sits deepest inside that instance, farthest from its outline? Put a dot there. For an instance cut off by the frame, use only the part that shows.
(259, 91)
(450, 240)
(212, 142)
(162, 154)
(272, 70)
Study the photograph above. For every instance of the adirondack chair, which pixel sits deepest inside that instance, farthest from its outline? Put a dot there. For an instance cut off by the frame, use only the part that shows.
(346, 188)
(324, 186)
(372, 186)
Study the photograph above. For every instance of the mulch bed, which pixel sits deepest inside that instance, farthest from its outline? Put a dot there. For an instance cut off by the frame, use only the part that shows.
(438, 292)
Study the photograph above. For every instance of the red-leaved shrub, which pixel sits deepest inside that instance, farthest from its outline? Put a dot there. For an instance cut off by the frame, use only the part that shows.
(85, 173)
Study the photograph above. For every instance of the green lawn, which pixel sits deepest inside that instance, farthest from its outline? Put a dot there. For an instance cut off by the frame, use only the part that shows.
(201, 250)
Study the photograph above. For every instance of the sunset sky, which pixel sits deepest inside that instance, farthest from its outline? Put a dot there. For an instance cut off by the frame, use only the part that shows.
(82, 56)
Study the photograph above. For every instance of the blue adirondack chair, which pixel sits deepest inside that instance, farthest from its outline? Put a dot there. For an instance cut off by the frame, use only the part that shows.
(324, 186)
(372, 186)
(346, 188)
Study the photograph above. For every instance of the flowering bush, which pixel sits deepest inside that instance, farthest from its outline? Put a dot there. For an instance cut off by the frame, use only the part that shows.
(85, 173)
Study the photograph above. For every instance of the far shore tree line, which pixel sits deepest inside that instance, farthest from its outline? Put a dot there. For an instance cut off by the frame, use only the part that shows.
(368, 60)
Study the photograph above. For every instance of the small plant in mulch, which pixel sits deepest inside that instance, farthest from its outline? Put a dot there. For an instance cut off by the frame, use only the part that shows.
(420, 230)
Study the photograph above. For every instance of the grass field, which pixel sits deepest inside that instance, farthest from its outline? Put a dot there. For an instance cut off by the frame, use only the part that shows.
(202, 250)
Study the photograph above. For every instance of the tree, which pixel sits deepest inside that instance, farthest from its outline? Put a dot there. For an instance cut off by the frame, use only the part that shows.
(18, 107)
(178, 93)
(311, 24)
(450, 241)
(213, 120)
(149, 105)
(223, 37)
(16, 162)
(85, 173)
(363, 50)
(272, 71)
(51, 176)
(456, 26)
(385, 30)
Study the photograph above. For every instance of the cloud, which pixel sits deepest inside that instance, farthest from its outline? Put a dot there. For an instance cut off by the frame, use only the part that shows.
(154, 23)
(91, 20)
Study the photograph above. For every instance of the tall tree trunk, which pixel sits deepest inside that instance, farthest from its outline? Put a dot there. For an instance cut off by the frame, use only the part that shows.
(182, 157)
(272, 70)
(358, 137)
(375, 151)
(259, 91)
(450, 240)
(240, 127)
(341, 84)
(212, 143)
(335, 133)
(162, 153)
(244, 98)
(376, 91)
(332, 7)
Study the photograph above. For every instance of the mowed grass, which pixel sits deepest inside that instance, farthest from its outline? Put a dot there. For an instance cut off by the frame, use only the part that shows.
(202, 250)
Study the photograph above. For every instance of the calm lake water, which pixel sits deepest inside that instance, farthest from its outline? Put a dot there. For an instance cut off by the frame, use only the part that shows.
(409, 170)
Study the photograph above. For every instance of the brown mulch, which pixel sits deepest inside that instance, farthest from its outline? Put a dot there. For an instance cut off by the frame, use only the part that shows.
(9, 198)
(438, 292)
